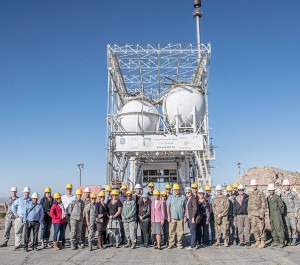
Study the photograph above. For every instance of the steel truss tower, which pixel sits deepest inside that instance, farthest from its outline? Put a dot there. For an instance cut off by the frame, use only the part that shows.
(149, 72)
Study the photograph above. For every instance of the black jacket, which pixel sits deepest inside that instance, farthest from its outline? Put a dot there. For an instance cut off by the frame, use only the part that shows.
(146, 214)
(47, 204)
(241, 209)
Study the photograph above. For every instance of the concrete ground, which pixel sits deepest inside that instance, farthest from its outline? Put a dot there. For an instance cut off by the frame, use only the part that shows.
(207, 255)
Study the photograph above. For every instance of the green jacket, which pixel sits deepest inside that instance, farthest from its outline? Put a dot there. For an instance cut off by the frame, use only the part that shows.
(275, 204)
(129, 211)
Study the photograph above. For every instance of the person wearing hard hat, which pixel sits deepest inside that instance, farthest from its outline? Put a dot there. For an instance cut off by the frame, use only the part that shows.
(114, 212)
(256, 213)
(18, 209)
(204, 205)
(123, 198)
(101, 220)
(86, 200)
(58, 215)
(292, 207)
(76, 218)
(276, 212)
(194, 187)
(150, 191)
(137, 198)
(157, 218)
(235, 186)
(129, 220)
(240, 213)
(176, 205)
(9, 218)
(144, 216)
(232, 224)
(192, 217)
(107, 193)
(220, 206)
(46, 202)
(33, 217)
(164, 198)
(90, 216)
(208, 197)
(168, 190)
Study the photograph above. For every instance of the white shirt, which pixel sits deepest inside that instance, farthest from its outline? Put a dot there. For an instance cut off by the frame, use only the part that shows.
(66, 200)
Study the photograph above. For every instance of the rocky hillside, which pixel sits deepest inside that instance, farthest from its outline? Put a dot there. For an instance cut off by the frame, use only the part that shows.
(265, 175)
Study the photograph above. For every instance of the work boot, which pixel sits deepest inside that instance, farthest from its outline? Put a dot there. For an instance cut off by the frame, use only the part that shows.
(128, 245)
(90, 246)
(218, 243)
(99, 242)
(234, 242)
(274, 244)
(56, 247)
(3, 245)
(73, 246)
(281, 246)
(133, 246)
(60, 245)
(294, 242)
(82, 245)
(262, 244)
(226, 243)
(256, 245)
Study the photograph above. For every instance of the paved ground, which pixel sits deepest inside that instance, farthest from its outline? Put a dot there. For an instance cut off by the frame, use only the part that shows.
(208, 255)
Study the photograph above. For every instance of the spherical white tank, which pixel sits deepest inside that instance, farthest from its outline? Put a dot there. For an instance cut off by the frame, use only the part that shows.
(183, 101)
(138, 116)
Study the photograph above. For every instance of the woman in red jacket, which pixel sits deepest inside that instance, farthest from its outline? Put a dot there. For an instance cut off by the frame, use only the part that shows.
(58, 215)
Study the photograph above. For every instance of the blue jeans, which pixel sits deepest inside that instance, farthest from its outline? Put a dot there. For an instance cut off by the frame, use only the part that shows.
(193, 229)
(45, 231)
(61, 228)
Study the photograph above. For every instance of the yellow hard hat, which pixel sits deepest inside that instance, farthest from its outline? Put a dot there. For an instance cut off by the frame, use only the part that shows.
(93, 195)
(235, 185)
(207, 187)
(163, 193)
(78, 192)
(56, 195)
(168, 186)
(69, 186)
(156, 192)
(194, 186)
(151, 184)
(176, 187)
(47, 189)
(129, 192)
(108, 188)
(229, 188)
(114, 192)
(101, 194)
(124, 187)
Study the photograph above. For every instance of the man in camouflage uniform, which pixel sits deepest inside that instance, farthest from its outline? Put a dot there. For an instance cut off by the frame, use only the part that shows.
(292, 206)
(76, 211)
(90, 212)
(220, 205)
(232, 224)
(10, 218)
(86, 200)
(276, 211)
(256, 213)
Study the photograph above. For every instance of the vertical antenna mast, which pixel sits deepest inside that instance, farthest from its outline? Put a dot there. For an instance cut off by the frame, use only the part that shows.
(197, 15)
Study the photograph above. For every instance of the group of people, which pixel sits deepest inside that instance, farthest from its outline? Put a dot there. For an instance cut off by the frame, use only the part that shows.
(116, 216)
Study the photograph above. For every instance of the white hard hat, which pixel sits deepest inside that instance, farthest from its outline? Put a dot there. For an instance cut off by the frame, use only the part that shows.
(253, 182)
(87, 189)
(271, 186)
(26, 189)
(35, 195)
(138, 186)
(187, 188)
(241, 187)
(14, 189)
(219, 187)
(201, 191)
(286, 182)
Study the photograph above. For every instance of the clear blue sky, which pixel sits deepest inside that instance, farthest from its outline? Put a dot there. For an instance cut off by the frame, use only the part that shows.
(53, 82)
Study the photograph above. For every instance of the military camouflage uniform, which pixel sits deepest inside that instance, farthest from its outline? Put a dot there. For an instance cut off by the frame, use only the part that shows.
(276, 211)
(86, 201)
(90, 210)
(9, 219)
(292, 206)
(76, 210)
(257, 207)
(220, 205)
(232, 224)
